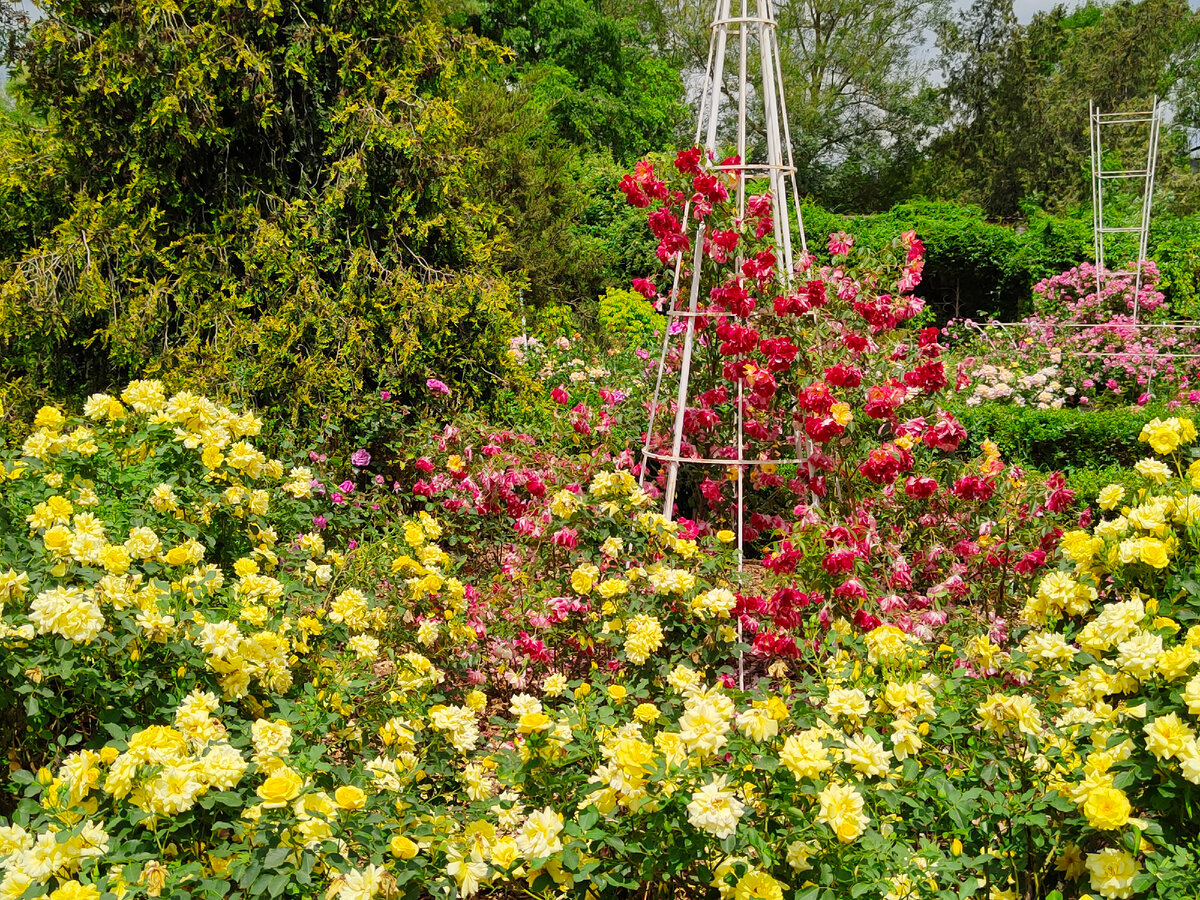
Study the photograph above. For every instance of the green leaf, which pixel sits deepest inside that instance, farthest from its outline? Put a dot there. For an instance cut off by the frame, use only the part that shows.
(279, 884)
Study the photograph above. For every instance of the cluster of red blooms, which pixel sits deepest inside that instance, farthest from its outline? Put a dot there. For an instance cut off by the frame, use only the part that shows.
(811, 364)
(641, 188)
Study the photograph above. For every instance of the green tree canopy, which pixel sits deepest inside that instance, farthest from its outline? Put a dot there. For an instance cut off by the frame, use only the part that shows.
(1018, 95)
(280, 196)
(592, 73)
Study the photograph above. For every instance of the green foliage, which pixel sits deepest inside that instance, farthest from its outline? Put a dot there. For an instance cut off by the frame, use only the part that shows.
(544, 185)
(1017, 96)
(1069, 439)
(627, 318)
(977, 268)
(590, 73)
(554, 320)
(859, 104)
(282, 201)
(1176, 243)
(14, 19)
(973, 267)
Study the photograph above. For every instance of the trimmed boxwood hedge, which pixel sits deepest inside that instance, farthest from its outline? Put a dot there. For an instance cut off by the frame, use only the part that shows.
(1061, 439)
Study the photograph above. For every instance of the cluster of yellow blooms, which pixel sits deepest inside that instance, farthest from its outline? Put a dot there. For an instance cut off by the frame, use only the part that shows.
(117, 592)
(31, 859)
(1116, 706)
(1101, 683)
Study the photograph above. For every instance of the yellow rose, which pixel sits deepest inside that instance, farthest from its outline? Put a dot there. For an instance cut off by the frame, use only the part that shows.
(1163, 437)
(725, 536)
(350, 797)
(1153, 553)
(402, 847)
(1153, 470)
(74, 890)
(212, 457)
(50, 418)
(177, 556)
(646, 712)
(1106, 808)
(115, 559)
(58, 540)
(154, 876)
(583, 579)
(582, 691)
(617, 693)
(531, 722)
(280, 788)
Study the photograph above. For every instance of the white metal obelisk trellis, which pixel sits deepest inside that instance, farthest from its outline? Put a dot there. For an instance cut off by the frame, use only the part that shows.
(1098, 121)
(754, 22)
(751, 28)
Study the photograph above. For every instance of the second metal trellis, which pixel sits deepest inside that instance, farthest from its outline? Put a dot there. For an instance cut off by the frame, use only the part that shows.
(1099, 121)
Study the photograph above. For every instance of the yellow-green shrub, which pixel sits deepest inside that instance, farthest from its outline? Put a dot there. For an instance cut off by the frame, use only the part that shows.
(626, 317)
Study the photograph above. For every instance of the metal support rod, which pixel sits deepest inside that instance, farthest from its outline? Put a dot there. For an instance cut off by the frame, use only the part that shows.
(741, 525)
(684, 370)
(1147, 201)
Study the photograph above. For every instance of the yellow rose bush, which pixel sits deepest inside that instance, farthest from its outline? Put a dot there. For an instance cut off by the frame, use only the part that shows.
(214, 696)
(169, 610)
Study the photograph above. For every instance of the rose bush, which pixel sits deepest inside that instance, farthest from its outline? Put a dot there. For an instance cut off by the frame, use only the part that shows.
(280, 717)
(1083, 347)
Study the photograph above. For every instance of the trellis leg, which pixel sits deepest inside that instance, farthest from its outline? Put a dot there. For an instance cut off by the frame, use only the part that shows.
(1147, 201)
(741, 541)
(685, 368)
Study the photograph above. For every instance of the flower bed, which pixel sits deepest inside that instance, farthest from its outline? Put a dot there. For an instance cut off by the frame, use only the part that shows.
(212, 699)
(1083, 347)
(493, 665)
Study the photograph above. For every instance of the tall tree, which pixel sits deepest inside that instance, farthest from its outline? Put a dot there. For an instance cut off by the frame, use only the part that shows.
(280, 199)
(1018, 96)
(592, 73)
(13, 22)
(855, 86)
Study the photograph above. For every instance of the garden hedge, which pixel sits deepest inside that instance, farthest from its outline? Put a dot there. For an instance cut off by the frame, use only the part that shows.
(1066, 439)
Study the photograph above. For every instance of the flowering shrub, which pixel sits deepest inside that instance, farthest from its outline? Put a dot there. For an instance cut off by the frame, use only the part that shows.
(1082, 347)
(802, 359)
(626, 320)
(214, 700)
(826, 368)
(166, 613)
